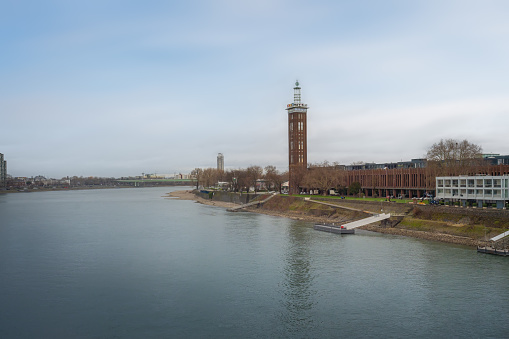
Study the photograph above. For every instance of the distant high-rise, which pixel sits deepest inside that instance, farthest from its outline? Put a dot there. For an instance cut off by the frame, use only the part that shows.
(220, 162)
(3, 170)
(297, 140)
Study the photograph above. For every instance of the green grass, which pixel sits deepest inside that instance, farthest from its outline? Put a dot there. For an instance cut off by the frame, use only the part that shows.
(474, 231)
(400, 201)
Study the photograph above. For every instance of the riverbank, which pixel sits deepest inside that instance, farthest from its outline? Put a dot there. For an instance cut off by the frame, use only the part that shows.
(189, 195)
(412, 223)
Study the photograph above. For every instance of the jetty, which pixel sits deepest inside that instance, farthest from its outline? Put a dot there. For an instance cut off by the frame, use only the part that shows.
(349, 228)
(492, 250)
(500, 236)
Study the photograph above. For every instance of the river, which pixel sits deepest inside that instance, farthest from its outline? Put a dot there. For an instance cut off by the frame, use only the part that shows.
(129, 263)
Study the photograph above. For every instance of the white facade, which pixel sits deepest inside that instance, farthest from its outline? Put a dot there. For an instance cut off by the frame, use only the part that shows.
(481, 188)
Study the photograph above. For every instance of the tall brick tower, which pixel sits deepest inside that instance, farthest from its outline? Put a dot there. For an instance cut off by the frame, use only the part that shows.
(297, 140)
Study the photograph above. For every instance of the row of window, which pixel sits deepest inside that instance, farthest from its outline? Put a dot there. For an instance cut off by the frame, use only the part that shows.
(300, 159)
(476, 193)
(496, 183)
(300, 126)
(300, 144)
(297, 116)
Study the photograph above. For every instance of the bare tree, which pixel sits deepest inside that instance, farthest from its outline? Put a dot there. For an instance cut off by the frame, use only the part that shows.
(254, 173)
(197, 172)
(210, 177)
(454, 153)
(274, 179)
(322, 176)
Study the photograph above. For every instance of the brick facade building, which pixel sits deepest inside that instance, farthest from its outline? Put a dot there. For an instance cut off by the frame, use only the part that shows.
(297, 140)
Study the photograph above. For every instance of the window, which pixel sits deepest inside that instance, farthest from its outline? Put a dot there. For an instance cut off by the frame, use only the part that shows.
(497, 183)
(455, 183)
(440, 183)
(497, 193)
(447, 183)
(471, 183)
(487, 183)
(479, 192)
(463, 183)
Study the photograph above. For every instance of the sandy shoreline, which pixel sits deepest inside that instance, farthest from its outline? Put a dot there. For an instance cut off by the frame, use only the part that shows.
(188, 195)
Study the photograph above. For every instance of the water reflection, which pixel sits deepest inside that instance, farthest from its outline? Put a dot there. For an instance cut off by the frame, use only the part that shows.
(297, 287)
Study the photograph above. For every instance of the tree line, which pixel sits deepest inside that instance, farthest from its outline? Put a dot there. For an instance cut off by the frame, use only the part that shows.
(444, 157)
(242, 179)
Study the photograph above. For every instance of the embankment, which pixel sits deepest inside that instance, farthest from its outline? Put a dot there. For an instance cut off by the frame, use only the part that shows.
(467, 226)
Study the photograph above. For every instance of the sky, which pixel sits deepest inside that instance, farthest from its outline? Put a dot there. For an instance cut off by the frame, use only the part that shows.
(120, 88)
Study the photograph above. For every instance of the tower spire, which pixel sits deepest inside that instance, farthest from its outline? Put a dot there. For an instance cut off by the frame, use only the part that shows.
(296, 93)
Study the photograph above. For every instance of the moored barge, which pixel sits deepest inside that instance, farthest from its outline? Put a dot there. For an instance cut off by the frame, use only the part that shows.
(331, 228)
(491, 250)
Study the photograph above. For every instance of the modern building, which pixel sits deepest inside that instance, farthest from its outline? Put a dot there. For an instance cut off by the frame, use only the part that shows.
(3, 170)
(297, 139)
(470, 190)
(220, 162)
(496, 159)
(414, 163)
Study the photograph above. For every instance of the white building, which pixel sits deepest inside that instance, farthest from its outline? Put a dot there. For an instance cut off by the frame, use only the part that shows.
(474, 189)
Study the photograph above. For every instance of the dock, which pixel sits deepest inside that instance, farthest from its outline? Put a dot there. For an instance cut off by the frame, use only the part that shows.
(491, 250)
(333, 229)
(349, 228)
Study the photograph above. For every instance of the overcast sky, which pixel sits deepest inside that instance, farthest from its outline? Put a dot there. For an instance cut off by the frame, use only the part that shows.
(117, 88)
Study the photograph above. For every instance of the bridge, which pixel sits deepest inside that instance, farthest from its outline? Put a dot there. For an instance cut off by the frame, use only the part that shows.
(500, 236)
(367, 221)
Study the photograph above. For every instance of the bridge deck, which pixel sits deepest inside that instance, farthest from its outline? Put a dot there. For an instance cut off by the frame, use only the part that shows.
(367, 221)
(500, 236)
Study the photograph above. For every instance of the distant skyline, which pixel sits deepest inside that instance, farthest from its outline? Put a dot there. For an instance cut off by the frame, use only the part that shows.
(118, 88)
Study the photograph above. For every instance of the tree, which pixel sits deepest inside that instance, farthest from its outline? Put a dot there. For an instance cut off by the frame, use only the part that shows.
(197, 172)
(231, 177)
(254, 173)
(322, 176)
(454, 153)
(209, 177)
(274, 179)
(355, 187)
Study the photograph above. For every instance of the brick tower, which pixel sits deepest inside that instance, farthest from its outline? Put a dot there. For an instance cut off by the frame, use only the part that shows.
(297, 140)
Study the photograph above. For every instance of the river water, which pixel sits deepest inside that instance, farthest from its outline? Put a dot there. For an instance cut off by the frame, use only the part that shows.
(129, 263)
